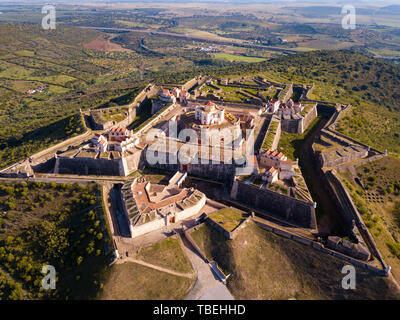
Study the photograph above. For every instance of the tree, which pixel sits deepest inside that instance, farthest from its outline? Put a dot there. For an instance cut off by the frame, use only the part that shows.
(79, 260)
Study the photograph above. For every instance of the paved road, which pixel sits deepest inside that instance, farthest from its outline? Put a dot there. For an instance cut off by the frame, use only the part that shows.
(207, 286)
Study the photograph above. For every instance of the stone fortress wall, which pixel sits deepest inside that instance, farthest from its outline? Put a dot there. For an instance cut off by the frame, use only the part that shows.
(130, 110)
(122, 166)
(130, 114)
(295, 211)
(217, 171)
(269, 134)
(343, 200)
(309, 117)
(321, 248)
(88, 166)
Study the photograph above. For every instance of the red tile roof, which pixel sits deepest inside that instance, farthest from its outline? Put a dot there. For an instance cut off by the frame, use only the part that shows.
(210, 104)
(272, 170)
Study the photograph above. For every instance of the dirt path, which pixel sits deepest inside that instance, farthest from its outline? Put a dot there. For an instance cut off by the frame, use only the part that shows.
(149, 265)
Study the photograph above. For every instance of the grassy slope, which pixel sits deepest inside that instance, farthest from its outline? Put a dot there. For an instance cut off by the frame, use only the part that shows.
(131, 281)
(265, 266)
(54, 224)
(168, 254)
(379, 208)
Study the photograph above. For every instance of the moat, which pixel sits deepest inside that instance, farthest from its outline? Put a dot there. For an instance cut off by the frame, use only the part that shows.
(329, 222)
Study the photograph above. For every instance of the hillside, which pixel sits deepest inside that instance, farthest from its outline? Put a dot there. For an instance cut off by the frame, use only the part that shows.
(52, 224)
(265, 266)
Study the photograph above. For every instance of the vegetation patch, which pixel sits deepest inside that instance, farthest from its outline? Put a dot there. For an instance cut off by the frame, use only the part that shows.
(168, 254)
(229, 218)
(62, 225)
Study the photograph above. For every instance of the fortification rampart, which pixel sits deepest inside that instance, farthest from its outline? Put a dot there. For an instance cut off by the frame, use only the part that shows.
(321, 248)
(98, 123)
(350, 210)
(295, 211)
(93, 166)
(309, 117)
(292, 125)
(286, 93)
(214, 171)
(272, 134)
(228, 234)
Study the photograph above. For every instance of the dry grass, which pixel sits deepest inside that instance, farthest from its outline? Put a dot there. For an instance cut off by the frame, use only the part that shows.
(265, 266)
(131, 281)
(167, 254)
(228, 218)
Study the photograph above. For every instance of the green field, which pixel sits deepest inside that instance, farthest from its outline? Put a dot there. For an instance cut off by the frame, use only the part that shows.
(235, 58)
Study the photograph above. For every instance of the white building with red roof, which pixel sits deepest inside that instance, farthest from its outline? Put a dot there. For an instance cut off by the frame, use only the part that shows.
(117, 133)
(183, 96)
(273, 105)
(210, 114)
(99, 142)
(271, 175)
(272, 158)
(124, 143)
(167, 96)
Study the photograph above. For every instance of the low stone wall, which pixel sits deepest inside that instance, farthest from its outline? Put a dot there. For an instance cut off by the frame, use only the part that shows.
(321, 248)
(142, 229)
(344, 167)
(292, 210)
